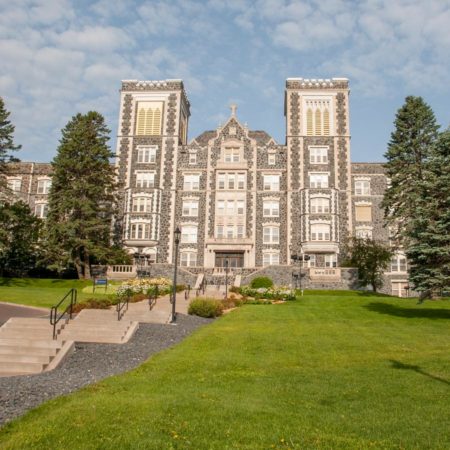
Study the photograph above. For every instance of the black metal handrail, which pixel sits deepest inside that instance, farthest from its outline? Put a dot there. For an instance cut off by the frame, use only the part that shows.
(54, 318)
(152, 298)
(122, 306)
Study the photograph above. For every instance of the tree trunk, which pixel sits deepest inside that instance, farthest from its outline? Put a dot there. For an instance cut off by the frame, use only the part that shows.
(87, 265)
(78, 266)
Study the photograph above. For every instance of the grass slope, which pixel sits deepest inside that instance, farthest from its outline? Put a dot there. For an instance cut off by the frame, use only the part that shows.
(344, 371)
(43, 292)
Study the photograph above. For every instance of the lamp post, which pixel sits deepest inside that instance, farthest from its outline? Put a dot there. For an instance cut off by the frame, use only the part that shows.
(176, 234)
(226, 278)
(301, 259)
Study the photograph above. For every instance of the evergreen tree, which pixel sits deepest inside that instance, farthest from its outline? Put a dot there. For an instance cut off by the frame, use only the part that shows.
(6, 145)
(370, 257)
(20, 232)
(408, 151)
(82, 199)
(429, 249)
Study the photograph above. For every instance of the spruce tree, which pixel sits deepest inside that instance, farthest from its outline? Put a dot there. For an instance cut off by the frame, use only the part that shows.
(429, 249)
(408, 151)
(82, 198)
(6, 144)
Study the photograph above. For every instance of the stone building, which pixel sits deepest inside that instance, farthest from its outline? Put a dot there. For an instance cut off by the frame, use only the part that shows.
(238, 197)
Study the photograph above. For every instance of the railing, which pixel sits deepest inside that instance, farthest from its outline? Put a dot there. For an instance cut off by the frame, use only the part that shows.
(121, 307)
(152, 298)
(202, 288)
(54, 318)
(122, 269)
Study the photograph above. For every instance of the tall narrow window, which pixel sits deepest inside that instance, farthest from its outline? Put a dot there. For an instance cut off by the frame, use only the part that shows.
(326, 122)
(318, 122)
(309, 122)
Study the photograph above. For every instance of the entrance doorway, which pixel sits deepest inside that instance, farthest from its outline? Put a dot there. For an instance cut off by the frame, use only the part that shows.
(235, 259)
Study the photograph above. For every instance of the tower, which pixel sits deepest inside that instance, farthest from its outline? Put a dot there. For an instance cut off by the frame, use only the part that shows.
(318, 146)
(153, 124)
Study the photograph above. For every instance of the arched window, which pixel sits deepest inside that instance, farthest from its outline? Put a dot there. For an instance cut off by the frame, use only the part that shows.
(326, 122)
(149, 118)
(309, 122)
(318, 122)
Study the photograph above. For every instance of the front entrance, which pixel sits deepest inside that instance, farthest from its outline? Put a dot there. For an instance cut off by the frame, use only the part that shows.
(235, 259)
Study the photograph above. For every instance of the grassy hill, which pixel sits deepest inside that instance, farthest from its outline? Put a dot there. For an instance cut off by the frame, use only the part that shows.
(326, 371)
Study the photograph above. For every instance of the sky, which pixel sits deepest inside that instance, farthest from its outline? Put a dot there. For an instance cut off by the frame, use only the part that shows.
(61, 57)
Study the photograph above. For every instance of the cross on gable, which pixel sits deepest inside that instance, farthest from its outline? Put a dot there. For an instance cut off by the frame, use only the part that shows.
(233, 108)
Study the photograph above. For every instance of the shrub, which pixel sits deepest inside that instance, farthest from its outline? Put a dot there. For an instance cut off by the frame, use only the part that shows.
(93, 303)
(205, 307)
(235, 289)
(261, 282)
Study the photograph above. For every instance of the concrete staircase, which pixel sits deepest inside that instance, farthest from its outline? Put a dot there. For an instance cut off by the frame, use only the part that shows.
(27, 347)
(99, 325)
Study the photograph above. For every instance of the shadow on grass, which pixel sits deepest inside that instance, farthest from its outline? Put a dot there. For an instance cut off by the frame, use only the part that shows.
(415, 313)
(401, 366)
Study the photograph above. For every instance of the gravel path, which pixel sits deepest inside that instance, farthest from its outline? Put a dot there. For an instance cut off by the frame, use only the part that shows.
(90, 363)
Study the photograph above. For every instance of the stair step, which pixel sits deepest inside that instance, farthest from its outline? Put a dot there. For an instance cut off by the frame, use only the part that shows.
(18, 350)
(22, 367)
(30, 358)
(26, 333)
(23, 342)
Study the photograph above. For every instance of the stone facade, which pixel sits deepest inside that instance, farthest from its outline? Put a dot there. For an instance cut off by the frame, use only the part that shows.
(236, 194)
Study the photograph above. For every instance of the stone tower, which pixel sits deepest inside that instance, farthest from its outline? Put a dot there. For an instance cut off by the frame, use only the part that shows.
(153, 124)
(318, 152)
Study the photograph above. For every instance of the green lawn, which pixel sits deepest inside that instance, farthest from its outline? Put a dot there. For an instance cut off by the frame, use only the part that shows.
(43, 292)
(326, 371)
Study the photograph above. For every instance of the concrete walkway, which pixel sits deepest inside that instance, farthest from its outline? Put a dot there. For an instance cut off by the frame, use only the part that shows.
(8, 310)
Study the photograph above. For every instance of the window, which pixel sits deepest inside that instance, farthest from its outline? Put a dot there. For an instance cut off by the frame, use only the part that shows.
(400, 288)
(148, 121)
(318, 180)
(192, 157)
(363, 232)
(191, 182)
(189, 234)
(229, 231)
(271, 182)
(271, 159)
(140, 231)
(240, 207)
(230, 181)
(271, 235)
(318, 117)
(142, 204)
(231, 155)
(320, 205)
(271, 208)
(362, 187)
(398, 263)
(188, 259)
(312, 261)
(230, 207)
(43, 186)
(331, 260)
(318, 155)
(270, 259)
(363, 213)
(147, 154)
(15, 184)
(145, 179)
(190, 208)
(41, 210)
(320, 232)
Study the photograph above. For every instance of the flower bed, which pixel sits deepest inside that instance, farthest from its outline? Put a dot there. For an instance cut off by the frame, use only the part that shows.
(141, 288)
(273, 293)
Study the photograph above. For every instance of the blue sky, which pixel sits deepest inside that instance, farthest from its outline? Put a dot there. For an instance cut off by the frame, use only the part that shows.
(60, 57)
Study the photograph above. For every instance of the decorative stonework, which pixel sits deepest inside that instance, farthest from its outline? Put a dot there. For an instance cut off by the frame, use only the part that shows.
(126, 114)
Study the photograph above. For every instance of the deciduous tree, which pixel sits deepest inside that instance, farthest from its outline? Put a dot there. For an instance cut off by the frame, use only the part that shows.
(370, 257)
